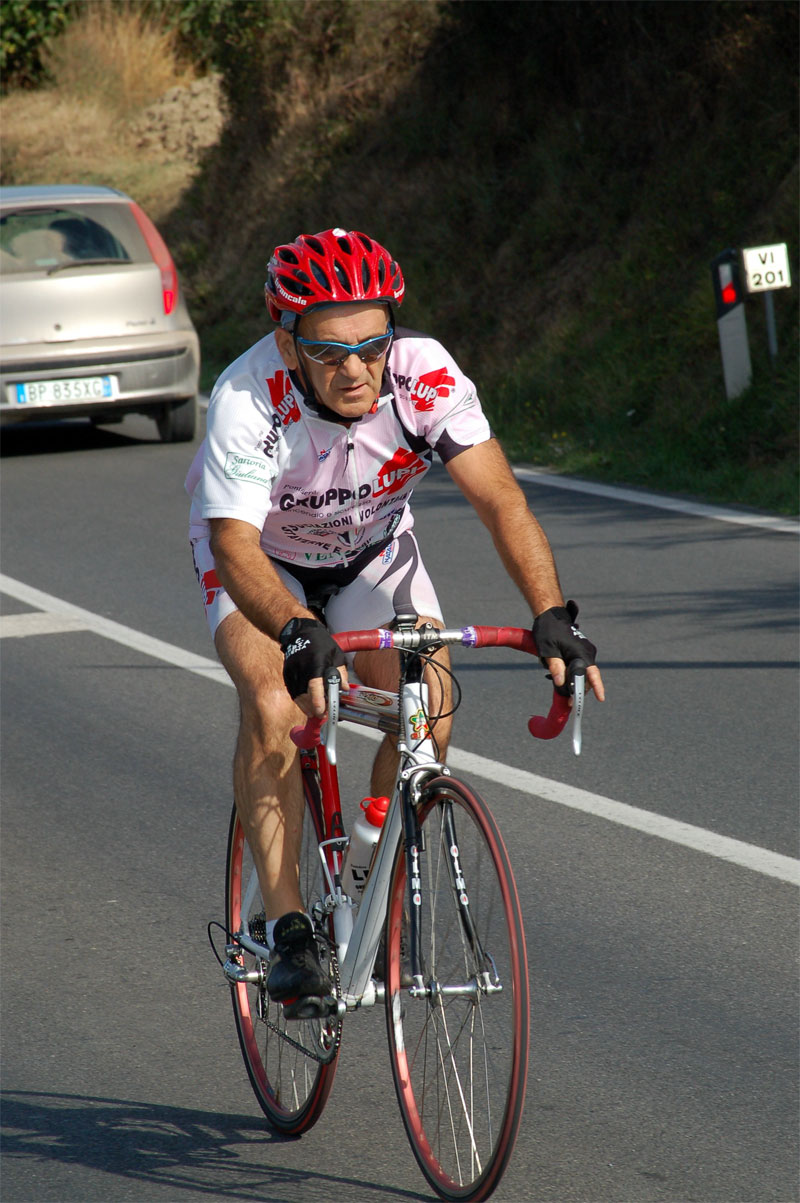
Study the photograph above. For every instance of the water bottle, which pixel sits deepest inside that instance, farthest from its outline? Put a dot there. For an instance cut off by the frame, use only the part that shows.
(361, 849)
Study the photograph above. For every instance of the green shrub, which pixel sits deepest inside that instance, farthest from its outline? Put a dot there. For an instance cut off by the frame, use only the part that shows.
(25, 28)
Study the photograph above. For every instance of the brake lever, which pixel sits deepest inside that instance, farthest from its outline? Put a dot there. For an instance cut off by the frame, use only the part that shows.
(333, 683)
(578, 686)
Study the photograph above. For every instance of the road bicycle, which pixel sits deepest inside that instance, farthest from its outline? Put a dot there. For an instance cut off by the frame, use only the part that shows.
(437, 937)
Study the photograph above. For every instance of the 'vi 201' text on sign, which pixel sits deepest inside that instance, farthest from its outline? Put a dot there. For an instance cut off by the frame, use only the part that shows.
(767, 267)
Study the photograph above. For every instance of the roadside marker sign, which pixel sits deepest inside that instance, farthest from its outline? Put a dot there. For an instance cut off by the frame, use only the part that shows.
(766, 267)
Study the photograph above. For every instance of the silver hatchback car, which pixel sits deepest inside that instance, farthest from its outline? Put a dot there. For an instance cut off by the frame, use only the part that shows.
(92, 320)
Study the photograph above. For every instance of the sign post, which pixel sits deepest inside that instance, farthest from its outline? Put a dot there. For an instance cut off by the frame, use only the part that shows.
(731, 323)
(767, 268)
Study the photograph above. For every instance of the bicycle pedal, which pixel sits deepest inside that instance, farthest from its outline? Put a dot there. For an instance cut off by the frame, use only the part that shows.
(311, 1006)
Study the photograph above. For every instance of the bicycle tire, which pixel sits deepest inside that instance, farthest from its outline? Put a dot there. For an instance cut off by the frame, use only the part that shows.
(459, 1061)
(290, 1086)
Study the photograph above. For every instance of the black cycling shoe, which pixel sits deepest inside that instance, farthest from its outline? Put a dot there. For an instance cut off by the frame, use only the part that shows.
(294, 968)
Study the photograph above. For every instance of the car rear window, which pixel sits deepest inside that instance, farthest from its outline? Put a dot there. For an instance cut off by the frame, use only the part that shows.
(43, 239)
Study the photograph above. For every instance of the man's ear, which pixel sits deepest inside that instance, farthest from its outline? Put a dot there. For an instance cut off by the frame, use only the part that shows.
(285, 343)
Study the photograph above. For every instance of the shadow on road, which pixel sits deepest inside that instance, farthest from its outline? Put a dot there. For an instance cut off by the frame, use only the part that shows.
(74, 434)
(196, 1152)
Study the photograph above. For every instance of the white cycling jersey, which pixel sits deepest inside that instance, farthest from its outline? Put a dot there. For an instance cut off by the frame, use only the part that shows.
(321, 493)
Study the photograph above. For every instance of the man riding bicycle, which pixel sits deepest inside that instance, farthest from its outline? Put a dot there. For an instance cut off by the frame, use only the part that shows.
(316, 437)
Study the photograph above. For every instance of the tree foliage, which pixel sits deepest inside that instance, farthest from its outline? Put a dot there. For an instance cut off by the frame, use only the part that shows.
(25, 28)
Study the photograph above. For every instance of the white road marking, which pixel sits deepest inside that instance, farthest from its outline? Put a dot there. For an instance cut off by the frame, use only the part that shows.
(37, 622)
(786, 526)
(736, 852)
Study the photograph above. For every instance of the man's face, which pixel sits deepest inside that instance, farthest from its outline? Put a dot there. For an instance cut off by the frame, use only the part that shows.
(352, 388)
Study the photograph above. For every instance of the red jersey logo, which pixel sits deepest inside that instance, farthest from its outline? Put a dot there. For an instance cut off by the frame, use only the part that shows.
(430, 387)
(397, 472)
(280, 394)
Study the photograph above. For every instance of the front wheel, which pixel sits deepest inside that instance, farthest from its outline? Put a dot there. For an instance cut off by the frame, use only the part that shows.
(291, 1063)
(458, 1036)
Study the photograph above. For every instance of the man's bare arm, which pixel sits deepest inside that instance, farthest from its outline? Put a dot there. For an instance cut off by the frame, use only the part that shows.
(250, 578)
(485, 478)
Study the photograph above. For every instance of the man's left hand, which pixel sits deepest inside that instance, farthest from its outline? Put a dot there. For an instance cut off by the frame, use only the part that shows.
(559, 642)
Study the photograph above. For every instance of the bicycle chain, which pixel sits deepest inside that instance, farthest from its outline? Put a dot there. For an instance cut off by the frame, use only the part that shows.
(301, 1048)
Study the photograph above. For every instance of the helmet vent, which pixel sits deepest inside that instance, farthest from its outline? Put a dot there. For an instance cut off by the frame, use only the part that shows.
(365, 275)
(341, 276)
(315, 245)
(293, 288)
(319, 275)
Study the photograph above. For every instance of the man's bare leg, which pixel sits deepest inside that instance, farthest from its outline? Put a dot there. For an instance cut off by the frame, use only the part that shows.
(266, 769)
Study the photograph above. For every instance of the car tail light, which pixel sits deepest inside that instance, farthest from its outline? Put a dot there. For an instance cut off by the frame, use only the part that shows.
(161, 257)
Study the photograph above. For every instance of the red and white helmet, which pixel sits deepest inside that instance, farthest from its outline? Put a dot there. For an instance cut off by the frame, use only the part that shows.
(335, 266)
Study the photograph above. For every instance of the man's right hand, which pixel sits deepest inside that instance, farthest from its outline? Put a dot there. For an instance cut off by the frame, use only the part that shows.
(308, 652)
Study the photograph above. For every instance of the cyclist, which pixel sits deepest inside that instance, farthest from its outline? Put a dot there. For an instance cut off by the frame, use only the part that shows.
(316, 437)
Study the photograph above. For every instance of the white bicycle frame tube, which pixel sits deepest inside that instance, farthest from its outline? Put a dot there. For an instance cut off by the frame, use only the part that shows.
(416, 750)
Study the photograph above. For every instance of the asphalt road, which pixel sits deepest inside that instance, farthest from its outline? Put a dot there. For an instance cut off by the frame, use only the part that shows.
(665, 1055)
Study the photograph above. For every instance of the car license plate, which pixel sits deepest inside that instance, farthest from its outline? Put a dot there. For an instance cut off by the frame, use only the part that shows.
(61, 392)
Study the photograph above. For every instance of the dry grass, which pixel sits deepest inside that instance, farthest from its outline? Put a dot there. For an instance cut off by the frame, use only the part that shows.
(104, 69)
(113, 56)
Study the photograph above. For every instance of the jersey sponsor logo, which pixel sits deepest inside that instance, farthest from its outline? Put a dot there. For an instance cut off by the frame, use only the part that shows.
(396, 473)
(393, 477)
(248, 468)
(388, 554)
(268, 442)
(282, 397)
(425, 390)
(321, 501)
(323, 455)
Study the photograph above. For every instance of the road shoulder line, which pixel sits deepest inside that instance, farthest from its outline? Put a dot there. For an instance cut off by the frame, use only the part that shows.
(679, 505)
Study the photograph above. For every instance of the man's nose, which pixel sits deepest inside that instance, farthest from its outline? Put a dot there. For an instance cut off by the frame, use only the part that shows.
(352, 366)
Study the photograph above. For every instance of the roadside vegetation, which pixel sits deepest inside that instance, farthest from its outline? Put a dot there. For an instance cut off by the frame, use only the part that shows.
(555, 179)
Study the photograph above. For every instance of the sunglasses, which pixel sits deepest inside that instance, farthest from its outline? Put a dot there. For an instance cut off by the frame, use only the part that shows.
(333, 355)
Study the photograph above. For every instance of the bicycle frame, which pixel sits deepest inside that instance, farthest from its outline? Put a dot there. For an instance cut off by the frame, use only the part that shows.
(357, 941)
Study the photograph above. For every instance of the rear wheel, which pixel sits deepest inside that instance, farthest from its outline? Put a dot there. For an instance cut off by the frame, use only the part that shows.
(291, 1063)
(177, 423)
(460, 1048)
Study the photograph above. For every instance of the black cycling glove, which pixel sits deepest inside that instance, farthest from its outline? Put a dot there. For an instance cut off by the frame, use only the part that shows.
(308, 651)
(556, 634)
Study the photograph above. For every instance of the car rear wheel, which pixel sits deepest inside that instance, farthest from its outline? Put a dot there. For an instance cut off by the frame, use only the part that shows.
(177, 423)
